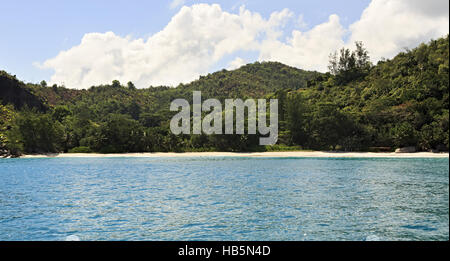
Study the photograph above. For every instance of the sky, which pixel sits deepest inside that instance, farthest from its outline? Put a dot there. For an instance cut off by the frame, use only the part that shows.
(90, 42)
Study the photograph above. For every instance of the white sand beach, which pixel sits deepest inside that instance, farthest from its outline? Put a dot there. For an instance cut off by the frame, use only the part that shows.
(278, 154)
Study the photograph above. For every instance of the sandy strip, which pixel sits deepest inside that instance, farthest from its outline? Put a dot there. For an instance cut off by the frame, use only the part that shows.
(281, 154)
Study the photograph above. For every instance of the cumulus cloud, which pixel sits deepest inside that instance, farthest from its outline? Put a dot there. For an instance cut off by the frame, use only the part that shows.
(176, 3)
(187, 47)
(307, 50)
(236, 63)
(388, 26)
(301, 23)
(198, 37)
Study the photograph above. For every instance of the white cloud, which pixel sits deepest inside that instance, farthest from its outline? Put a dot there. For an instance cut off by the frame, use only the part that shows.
(301, 23)
(307, 50)
(186, 48)
(176, 3)
(388, 26)
(198, 37)
(236, 63)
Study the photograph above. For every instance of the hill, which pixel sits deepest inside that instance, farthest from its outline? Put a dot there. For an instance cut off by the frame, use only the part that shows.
(15, 92)
(358, 106)
(399, 102)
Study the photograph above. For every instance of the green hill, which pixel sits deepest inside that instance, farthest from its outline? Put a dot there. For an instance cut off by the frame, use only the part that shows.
(398, 102)
(15, 92)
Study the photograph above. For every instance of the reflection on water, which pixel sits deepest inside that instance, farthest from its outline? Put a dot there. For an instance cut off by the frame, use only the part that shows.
(214, 198)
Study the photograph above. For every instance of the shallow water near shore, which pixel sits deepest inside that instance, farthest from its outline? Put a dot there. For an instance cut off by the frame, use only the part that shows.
(224, 198)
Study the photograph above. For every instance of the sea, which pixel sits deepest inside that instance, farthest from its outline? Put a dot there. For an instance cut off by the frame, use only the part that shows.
(224, 198)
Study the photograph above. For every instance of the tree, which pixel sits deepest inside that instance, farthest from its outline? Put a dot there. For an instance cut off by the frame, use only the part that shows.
(116, 84)
(150, 119)
(329, 126)
(348, 66)
(37, 133)
(399, 102)
(60, 112)
(133, 109)
(403, 135)
(362, 57)
(131, 86)
(119, 133)
(298, 119)
(6, 118)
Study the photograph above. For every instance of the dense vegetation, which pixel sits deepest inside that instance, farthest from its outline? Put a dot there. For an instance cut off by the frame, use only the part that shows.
(355, 107)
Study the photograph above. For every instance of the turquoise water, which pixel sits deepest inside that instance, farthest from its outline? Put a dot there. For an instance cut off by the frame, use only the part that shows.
(215, 198)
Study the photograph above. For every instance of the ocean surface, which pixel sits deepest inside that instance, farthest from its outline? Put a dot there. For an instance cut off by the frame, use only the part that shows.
(218, 198)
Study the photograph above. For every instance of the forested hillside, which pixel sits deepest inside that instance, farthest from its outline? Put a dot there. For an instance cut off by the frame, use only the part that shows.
(399, 102)
(355, 107)
(14, 92)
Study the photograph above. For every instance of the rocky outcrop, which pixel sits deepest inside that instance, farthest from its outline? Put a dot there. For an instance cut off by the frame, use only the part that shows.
(4, 153)
(406, 150)
(15, 92)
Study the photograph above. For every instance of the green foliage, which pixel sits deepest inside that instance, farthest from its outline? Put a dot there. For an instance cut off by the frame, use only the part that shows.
(357, 106)
(81, 149)
(35, 133)
(402, 102)
(131, 86)
(15, 92)
(116, 84)
(6, 117)
(282, 147)
(403, 134)
(43, 84)
(350, 66)
(60, 112)
(118, 133)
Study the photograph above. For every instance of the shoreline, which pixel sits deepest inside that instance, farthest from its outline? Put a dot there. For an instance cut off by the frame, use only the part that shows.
(275, 154)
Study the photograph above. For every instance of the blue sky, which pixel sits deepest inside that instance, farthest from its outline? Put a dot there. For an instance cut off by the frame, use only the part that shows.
(36, 31)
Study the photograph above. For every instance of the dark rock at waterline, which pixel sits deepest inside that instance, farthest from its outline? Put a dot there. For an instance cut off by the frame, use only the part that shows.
(4, 153)
(410, 149)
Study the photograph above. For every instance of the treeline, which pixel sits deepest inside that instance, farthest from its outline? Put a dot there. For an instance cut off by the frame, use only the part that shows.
(355, 107)
(397, 103)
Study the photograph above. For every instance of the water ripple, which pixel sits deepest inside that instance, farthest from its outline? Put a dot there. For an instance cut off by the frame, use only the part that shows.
(218, 198)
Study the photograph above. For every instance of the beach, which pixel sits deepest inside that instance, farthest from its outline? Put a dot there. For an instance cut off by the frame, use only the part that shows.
(277, 154)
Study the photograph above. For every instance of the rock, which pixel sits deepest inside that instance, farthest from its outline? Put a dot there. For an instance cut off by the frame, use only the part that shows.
(406, 150)
(4, 154)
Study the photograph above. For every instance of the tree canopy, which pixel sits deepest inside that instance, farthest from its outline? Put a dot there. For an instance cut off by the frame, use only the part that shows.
(356, 106)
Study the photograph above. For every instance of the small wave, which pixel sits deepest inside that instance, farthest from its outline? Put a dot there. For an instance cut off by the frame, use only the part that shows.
(72, 238)
(418, 227)
(373, 238)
